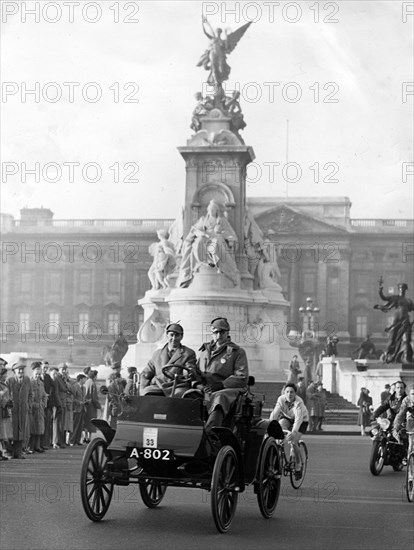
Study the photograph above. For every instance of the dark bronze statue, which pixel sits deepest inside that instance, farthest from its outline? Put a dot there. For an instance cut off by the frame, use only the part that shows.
(214, 59)
(399, 348)
(113, 356)
(365, 350)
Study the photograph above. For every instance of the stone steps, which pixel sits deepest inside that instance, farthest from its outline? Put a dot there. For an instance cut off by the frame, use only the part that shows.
(338, 410)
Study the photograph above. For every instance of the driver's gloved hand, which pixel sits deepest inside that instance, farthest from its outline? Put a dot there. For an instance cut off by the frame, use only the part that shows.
(216, 386)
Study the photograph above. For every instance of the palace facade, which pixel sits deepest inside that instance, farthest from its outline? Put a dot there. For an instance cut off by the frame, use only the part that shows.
(69, 286)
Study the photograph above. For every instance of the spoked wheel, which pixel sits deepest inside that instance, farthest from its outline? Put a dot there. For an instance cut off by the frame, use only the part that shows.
(377, 458)
(152, 492)
(269, 478)
(224, 488)
(96, 490)
(296, 483)
(409, 480)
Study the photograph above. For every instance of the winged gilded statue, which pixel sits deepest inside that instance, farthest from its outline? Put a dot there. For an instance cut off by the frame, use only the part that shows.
(214, 58)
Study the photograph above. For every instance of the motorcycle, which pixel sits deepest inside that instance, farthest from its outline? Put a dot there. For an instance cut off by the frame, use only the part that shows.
(386, 451)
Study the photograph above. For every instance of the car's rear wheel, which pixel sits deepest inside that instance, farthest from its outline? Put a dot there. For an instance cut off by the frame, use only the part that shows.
(152, 492)
(96, 489)
(224, 488)
(268, 478)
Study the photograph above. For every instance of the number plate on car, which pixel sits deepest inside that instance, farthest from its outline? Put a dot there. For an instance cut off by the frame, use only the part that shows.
(150, 454)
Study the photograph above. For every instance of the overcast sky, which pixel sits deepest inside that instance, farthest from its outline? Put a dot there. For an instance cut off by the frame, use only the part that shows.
(340, 84)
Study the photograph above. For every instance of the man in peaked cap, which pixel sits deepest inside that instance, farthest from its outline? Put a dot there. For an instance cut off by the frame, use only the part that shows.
(173, 354)
(224, 370)
(21, 394)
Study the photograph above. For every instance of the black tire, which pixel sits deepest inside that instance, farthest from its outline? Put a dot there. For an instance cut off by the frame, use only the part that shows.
(152, 492)
(224, 488)
(269, 478)
(409, 478)
(398, 467)
(96, 490)
(296, 483)
(377, 458)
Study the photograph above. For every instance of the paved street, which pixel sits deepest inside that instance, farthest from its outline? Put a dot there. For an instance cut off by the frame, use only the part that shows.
(341, 506)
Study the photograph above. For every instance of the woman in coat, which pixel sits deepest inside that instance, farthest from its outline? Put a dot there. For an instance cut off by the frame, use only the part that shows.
(320, 392)
(364, 415)
(39, 403)
(92, 402)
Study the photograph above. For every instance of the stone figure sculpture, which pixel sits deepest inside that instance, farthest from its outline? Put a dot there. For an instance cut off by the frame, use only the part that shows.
(399, 348)
(214, 59)
(261, 255)
(164, 261)
(210, 242)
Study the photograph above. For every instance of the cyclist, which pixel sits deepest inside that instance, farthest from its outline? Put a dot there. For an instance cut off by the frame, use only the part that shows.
(406, 416)
(292, 414)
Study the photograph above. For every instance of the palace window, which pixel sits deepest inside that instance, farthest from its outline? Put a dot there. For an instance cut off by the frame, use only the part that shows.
(54, 283)
(24, 321)
(84, 282)
(113, 323)
(361, 326)
(114, 282)
(26, 281)
(83, 322)
(53, 326)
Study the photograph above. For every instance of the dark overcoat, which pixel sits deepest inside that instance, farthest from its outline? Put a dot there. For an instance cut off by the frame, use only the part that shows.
(152, 374)
(226, 364)
(37, 417)
(22, 397)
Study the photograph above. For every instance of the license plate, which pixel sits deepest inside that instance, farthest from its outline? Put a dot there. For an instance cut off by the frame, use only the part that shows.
(150, 454)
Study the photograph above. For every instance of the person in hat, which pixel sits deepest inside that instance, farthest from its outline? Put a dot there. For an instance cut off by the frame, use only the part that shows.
(20, 390)
(62, 390)
(46, 438)
(57, 407)
(116, 390)
(364, 415)
(224, 371)
(172, 354)
(6, 405)
(92, 403)
(37, 416)
(79, 409)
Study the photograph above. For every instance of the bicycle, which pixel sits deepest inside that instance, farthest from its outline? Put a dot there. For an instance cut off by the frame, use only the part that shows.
(288, 467)
(409, 475)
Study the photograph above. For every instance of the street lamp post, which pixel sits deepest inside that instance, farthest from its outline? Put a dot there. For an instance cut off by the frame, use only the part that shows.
(71, 342)
(309, 337)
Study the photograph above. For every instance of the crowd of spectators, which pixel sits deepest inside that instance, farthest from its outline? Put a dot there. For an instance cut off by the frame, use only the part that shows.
(43, 408)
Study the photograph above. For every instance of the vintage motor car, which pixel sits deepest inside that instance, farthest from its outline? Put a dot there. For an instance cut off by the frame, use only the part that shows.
(162, 442)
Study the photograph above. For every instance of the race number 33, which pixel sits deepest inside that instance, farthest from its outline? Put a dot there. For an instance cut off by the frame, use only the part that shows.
(150, 438)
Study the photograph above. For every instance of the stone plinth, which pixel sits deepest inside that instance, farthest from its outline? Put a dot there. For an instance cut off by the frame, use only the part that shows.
(257, 320)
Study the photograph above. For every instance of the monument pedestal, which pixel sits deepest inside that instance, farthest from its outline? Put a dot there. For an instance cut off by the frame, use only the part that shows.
(257, 320)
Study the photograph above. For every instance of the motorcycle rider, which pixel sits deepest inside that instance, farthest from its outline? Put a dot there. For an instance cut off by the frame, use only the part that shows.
(393, 404)
(405, 417)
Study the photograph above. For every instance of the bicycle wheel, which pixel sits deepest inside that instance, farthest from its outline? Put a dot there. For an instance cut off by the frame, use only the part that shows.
(409, 479)
(296, 483)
